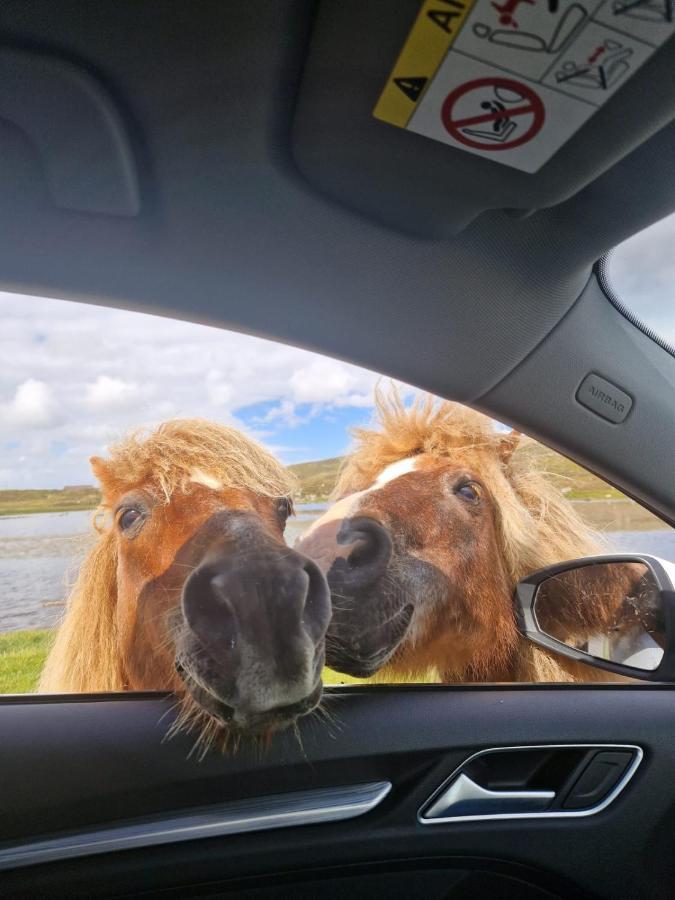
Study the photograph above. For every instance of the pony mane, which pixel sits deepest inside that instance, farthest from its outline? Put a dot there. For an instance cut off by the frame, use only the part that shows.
(85, 655)
(537, 525)
(165, 460)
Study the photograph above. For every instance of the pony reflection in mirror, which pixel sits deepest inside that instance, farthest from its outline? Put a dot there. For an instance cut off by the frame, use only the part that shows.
(191, 588)
(438, 516)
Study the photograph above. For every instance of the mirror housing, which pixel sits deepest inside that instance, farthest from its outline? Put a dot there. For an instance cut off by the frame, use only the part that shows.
(582, 614)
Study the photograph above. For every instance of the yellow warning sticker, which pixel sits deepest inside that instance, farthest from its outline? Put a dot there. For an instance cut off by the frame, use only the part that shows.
(435, 28)
(513, 80)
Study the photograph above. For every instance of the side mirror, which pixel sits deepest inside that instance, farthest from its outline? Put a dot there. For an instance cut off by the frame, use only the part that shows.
(614, 612)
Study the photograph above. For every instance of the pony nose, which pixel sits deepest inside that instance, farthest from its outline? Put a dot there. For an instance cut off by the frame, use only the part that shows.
(284, 592)
(371, 549)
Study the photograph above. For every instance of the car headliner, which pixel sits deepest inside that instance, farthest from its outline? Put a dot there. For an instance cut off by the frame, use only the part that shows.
(220, 163)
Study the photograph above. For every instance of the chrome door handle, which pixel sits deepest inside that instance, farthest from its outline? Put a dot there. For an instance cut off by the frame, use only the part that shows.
(466, 798)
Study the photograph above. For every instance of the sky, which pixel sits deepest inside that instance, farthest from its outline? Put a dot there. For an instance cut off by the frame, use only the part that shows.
(74, 377)
(642, 274)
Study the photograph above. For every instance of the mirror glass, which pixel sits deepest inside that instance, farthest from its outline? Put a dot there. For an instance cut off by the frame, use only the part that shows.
(610, 610)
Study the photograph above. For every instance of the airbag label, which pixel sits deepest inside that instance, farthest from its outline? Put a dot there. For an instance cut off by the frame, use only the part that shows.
(513, 80)
(604, 398)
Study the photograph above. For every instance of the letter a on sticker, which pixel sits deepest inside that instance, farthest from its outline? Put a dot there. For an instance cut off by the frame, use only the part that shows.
(411, 87)
(442, 18)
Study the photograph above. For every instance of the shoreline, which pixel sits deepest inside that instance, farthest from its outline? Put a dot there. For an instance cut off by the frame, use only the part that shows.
(603, 513)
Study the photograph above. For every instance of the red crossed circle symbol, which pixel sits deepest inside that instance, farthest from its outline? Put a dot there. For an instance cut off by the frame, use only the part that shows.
(531, 105)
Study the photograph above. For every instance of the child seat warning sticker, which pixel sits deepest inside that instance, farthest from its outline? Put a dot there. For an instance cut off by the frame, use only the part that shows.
(513, 80)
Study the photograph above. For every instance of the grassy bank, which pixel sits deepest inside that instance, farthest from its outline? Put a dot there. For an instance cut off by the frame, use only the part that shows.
(22, 655)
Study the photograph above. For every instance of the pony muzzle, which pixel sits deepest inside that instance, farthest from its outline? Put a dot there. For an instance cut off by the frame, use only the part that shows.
(368, 623)
(251, 647)
(360, 546)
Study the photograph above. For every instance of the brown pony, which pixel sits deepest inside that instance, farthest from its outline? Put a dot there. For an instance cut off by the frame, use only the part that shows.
(438, 516)
(190, 586)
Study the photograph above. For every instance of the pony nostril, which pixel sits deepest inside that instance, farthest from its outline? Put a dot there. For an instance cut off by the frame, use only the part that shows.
(372, 544)
(372, 547)
(317, 607)
(208, 611)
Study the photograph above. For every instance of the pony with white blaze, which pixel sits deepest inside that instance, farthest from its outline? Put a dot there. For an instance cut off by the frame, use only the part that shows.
(437, 517)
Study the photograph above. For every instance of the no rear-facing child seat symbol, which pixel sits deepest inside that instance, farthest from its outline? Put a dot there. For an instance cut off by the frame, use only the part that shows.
(493, 114)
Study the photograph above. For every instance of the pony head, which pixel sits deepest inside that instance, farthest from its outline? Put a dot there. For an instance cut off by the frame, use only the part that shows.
(190, 586)
(438, 515)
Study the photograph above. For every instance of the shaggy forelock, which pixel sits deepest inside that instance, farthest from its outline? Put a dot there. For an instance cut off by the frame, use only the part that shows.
(164, 460)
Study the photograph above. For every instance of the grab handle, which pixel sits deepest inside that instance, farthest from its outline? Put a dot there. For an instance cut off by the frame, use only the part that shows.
(466, 798)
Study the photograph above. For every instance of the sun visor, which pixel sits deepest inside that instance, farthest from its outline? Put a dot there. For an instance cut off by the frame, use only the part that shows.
(422, 115)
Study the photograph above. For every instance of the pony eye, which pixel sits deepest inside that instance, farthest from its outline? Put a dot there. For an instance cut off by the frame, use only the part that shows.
(128, 518)
(470, 491)
(284, 508)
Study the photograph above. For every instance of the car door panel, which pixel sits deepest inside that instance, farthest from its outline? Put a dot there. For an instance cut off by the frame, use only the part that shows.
(108, 764)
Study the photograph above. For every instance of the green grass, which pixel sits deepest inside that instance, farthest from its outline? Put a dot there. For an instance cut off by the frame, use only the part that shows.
(331, 677)
(22, 655)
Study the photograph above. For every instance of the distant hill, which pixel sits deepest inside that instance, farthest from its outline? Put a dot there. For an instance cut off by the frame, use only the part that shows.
(573, 480)
(315, 483)
(316, 479)
(21, 503)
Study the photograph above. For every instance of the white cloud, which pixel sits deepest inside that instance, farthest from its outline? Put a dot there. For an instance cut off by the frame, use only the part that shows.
(642, 273)
(108, 393)
(33, 406)
(325, 380)
(75, 377)
(219, 391)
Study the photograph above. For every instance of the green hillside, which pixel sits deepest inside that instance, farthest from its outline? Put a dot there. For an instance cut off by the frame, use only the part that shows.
(20, 503)
(574, 481)
(316, 479)
(315, 483)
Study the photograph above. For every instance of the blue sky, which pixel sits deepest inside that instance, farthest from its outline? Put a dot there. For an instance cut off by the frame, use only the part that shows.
(315, 433)
(74, 377)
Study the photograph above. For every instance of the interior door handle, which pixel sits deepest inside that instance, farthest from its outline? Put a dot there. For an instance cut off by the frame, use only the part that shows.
(466, 798)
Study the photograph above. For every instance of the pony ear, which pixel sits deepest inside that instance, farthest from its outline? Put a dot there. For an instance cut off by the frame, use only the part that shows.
(101, 469)
(507, 445)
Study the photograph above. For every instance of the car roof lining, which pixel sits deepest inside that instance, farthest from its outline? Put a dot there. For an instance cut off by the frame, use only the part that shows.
(238, 225)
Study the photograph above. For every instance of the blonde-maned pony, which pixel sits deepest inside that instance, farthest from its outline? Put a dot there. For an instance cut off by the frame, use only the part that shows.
(186, 509)
(449, 514)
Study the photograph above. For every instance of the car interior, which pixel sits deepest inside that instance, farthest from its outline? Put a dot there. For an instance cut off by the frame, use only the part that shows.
(220, 163)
